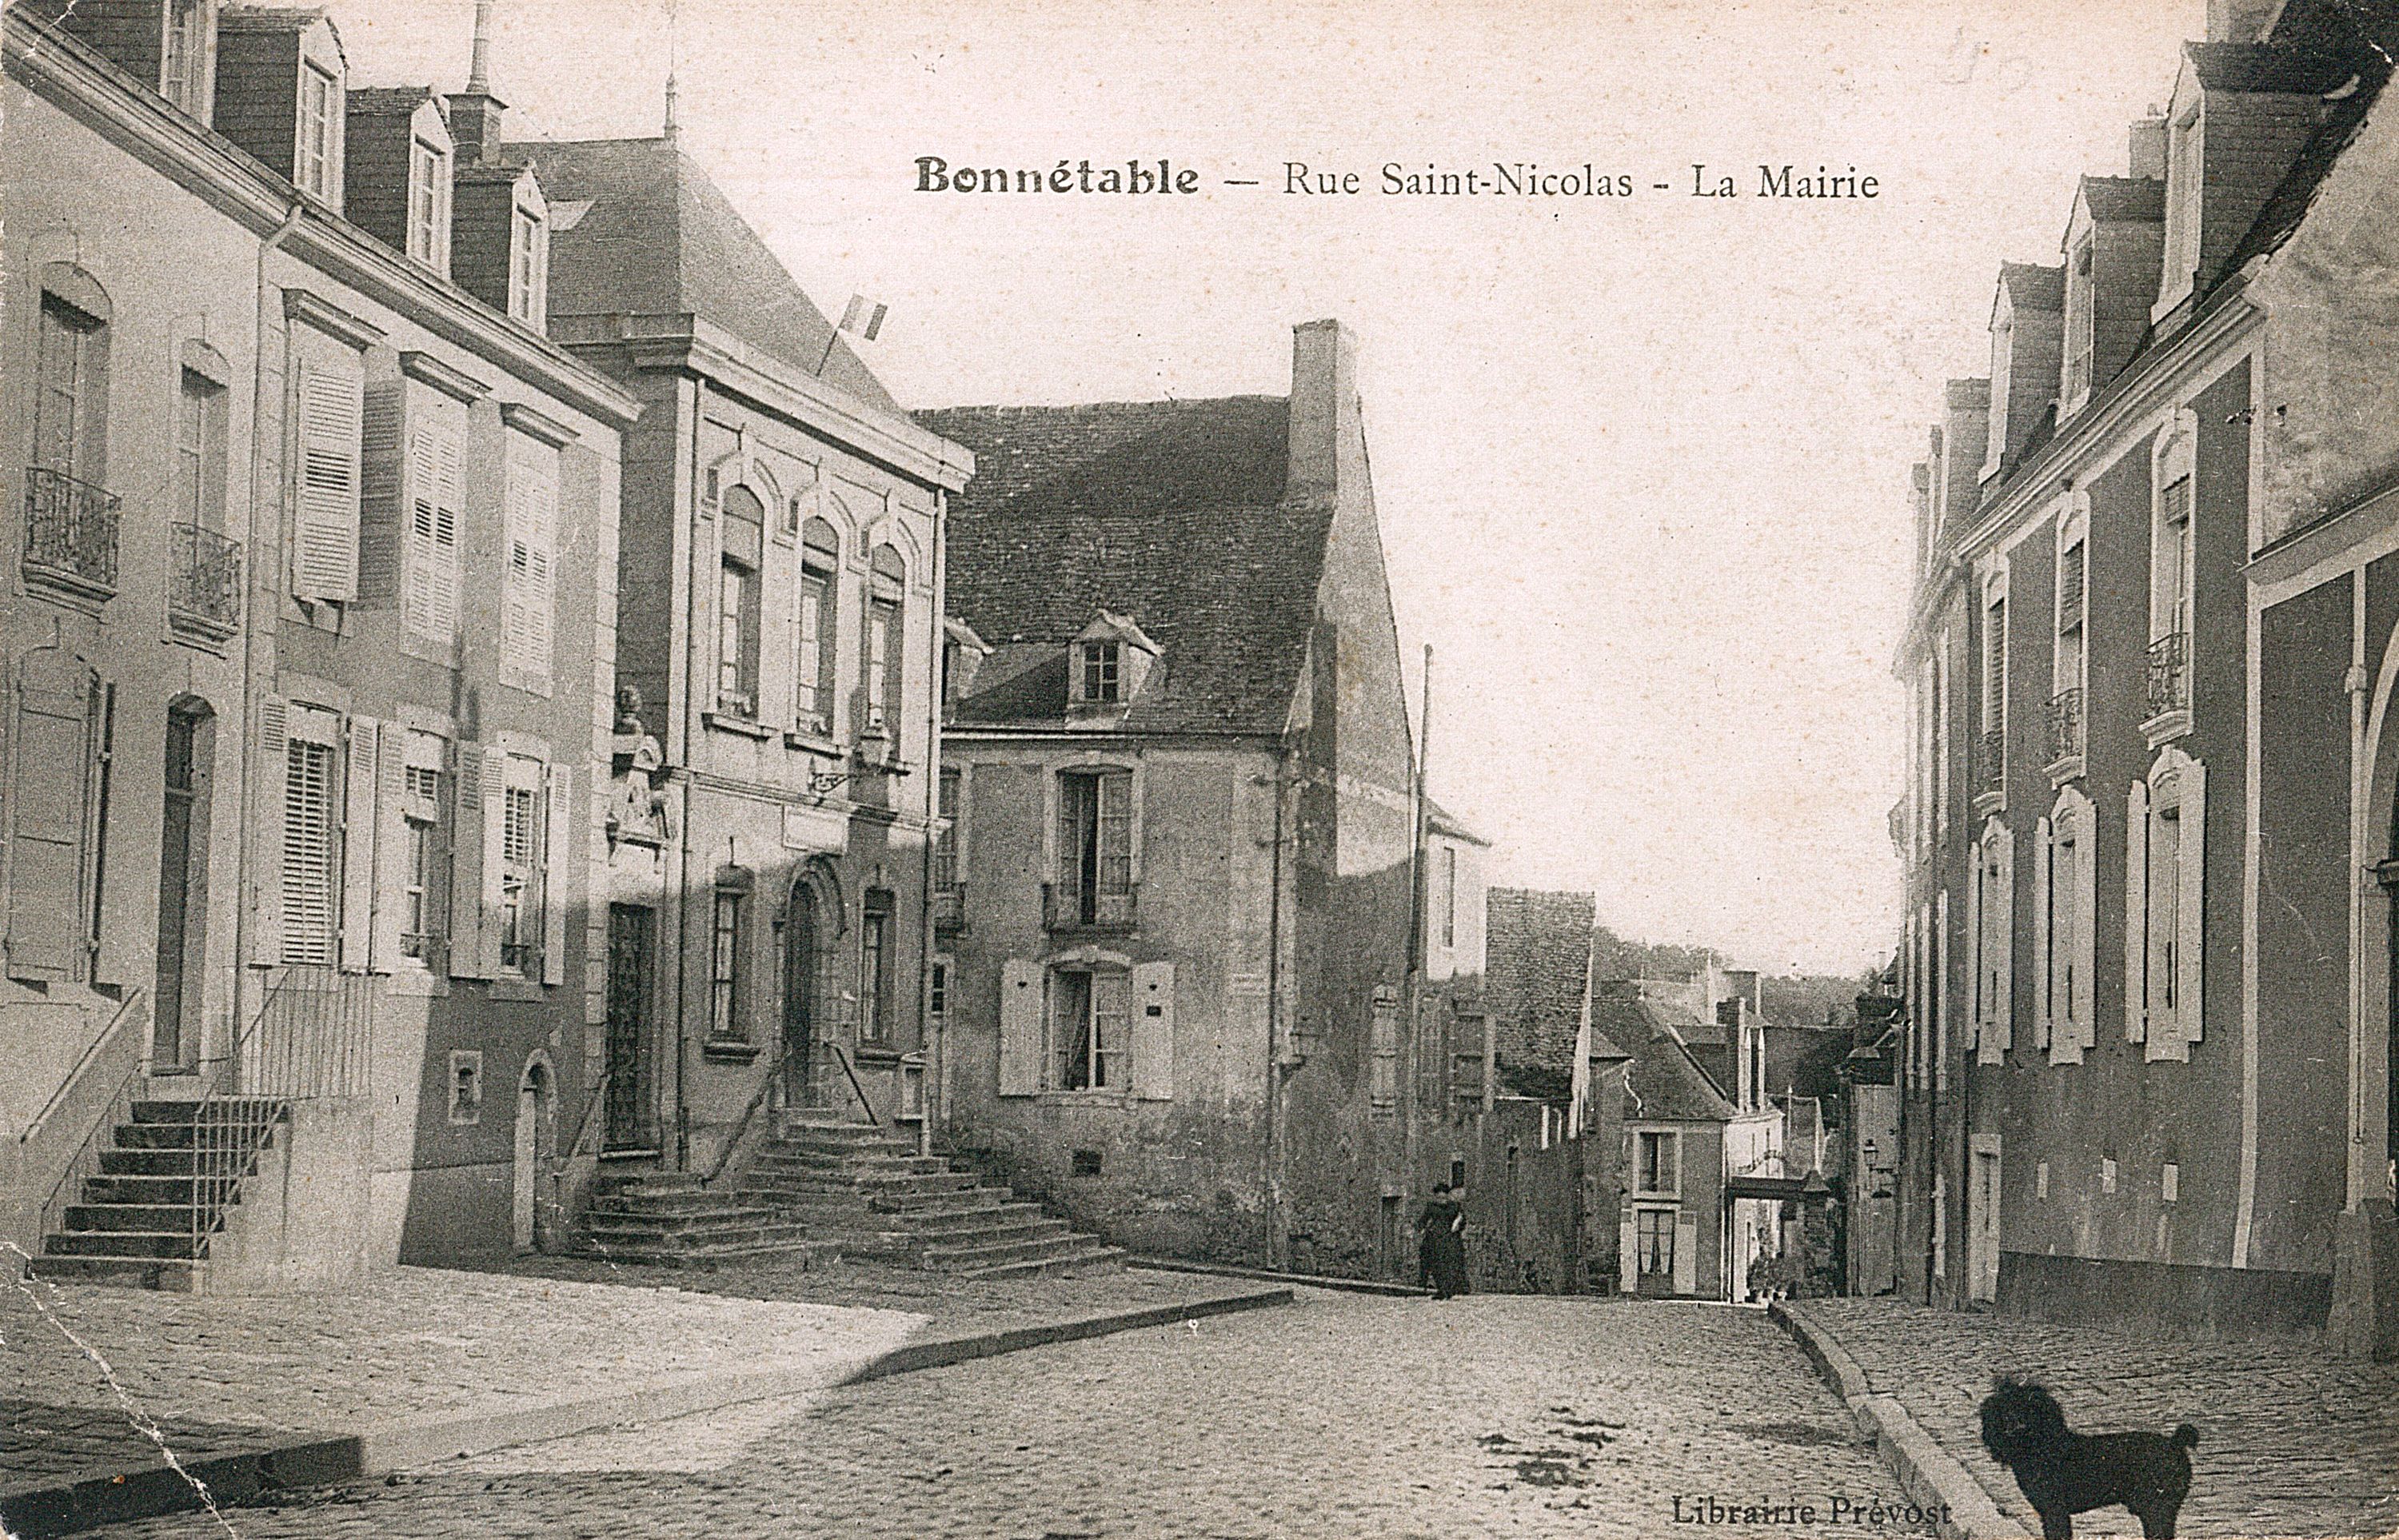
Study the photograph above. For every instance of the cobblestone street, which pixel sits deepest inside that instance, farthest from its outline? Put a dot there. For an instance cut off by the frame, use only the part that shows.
(1338, 1416)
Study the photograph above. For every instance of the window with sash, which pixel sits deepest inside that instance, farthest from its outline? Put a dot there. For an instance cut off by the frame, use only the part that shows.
(1095, 845)
(1092, 1028)
(875, 967)
(183, 67)
(425, 850)
(728, 933)
(1102, 677)
(813, 664)
(528, 267)
(523, 819)
(199, 487)
(320, 162)
(1657, 1162)
(428, 205)
(71, 397)
(885, 644)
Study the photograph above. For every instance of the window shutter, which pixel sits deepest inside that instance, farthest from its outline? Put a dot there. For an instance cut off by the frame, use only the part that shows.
(326, 537)
(1020, 1027)
(472, 799)
(1686, 1252)
(435, 492)
(2044, 871)
(1116, 832)
(556, 851)
(495, 821)
(1069, 792)
(384, 497)
(2190, 940)
(1153, 1031)
(2085, 940)
(2136, 912)
(357, 844)
(1976, 944)
(2003, 935)
(1628, 1251)
(311, 879)
(531, 517)
(391, 848)
(267, 895)
(55, 740)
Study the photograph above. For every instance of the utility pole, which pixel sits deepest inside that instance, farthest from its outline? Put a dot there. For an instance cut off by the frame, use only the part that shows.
(1419, 918)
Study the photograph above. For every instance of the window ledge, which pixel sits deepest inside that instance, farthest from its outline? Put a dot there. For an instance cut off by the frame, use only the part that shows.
(738, 726)
(730, 1052)
(1085, 1098)
(877, 1052)
(811, 742)
(1989, 802)
(2067, 769)
(2166, 727)
(62, 583)
(514, 989)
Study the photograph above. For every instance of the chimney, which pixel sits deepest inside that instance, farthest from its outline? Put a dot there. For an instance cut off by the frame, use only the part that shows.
(1323, 407)
(475, 112)
(2147, 147)
(1965, 427)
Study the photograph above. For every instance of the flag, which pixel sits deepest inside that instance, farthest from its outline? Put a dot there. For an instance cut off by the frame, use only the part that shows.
(858, 311)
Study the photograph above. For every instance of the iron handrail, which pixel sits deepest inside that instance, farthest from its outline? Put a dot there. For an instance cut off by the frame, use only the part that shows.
(106, 1116)
(749, 1115)
(598, 1099)
(858, 1091)
(106, 1036)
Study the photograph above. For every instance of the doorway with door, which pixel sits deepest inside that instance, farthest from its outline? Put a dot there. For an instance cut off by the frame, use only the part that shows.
(632, 931)
(812, 923)
(1982, 1222)
(181, 989)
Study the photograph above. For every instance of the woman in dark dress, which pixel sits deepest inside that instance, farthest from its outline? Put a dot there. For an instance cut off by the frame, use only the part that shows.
(1440, 1243)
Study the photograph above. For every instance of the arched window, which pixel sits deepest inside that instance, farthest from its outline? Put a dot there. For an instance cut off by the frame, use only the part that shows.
(819, 612)
(728, 971)
(742, 534)
(2065, 699)
(2173, 551)
(886, 641)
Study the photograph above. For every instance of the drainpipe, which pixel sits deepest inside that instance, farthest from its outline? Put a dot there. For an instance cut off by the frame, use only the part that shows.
(1282, 780)
(686, 532)
(250, 659)
(929, 1031)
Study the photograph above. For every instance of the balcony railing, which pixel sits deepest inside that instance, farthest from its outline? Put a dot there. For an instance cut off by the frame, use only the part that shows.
(204, 586)
(949, 906)
(69, 532)
(1069, 908)
(2066, 725)
(1995, 758)
(2170, 673)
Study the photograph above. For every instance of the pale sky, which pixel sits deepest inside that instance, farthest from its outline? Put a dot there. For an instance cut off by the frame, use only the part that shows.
(1641, 462)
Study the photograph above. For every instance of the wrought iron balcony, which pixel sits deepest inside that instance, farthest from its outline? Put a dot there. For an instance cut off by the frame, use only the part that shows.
(2066, 725)
(69, 532)
(1065, 907)
(2170, 673)
(204, 585)
(949, 906)
(1995, 758)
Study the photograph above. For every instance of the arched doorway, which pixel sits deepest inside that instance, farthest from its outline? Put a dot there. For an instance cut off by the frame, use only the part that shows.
(803, 942)
(534, 1103)
(178, 999)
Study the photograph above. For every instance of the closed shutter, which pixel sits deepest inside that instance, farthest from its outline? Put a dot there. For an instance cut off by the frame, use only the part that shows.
(325, 558)
(2004, 942)
(357, 843)
(267, 895)
(392, 848)
(1116, 832)
(1020, 1027)
(1628, 1251)
(2085, 940)
(47, 901)
(475, 798)
(530, 583)
(2190, 940)
(311, 822)
(556, 852)
(1686, 1252)
(384, 478)
(495, 823)
(1975, 1011)
(436, 489)
(2136, 912)
(1153, 1031)
(2044, 871)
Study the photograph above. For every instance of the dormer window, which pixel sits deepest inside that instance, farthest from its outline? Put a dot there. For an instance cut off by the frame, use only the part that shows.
(428, 205)
(320, 132)
(2081, 332)
(1102, 678)
(183, 64)
(2184, 166)
(528, 266)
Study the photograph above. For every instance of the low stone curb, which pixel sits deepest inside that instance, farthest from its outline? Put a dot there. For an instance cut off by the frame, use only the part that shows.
(1266, 1275)
(36, 1513)
(1931, 1475)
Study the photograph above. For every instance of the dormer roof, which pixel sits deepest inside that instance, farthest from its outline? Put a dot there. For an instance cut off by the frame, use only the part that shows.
(2264, 69)
(2124, 200)
(2031, 287)
(1108, 626)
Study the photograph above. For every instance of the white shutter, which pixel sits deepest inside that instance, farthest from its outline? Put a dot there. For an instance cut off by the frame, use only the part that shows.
(1153, 1031)
(1628, 1251)
(556, 852)
(325, 555)
(267, 895)
(2191, 940)
(495, 823)
(358, 841)
(474, 802)
(531, 579)
(2085, 940)
(2136, 912)
(392, 849)
(1686, 1252)
(310, 812)
(50, 816)
(1020, 1027)
(2044, 873)
(435, 492)
(2003, 939)
(1975, 1010)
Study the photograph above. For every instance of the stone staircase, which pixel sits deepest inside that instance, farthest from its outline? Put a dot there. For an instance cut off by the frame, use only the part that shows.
(165, 1183)
(867, 1188)
(675, 1219)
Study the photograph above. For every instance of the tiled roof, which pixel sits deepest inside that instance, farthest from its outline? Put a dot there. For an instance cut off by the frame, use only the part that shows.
(385, 101)
(1537, 970)
(1169, 512)
(1663, 1082)
(660, 238)
(2032, 286)
(2136, 199)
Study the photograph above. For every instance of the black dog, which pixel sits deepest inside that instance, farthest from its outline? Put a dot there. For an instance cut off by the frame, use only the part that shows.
(2064, 1473)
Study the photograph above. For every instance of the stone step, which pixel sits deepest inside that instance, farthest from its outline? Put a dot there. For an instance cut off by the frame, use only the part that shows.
(950, 1201)
(1002, 1216)
(173, 1191)
(1090, 1258)
(641, 1200)
(218, 1109)
(649, 1181)
(814, 1252)
(875, 1162)
(166, 1274)
(124, 1243)
(979, 1252)
(159, 1218)
(156, 1162)
(694, 1232)
(209, 1134)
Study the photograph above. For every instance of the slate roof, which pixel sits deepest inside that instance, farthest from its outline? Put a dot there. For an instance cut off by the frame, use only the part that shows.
(2296, 194)
(2265, 68)
(1170, 512)
(2121, 199)
(2034, 287)
(1665, 1082)
(1535, 972)
(660, 238)
(385, 101)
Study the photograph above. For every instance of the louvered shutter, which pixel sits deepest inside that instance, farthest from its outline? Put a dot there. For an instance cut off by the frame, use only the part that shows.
(1686, 1252)
(311, 822)
(51, 820)
(1976, 945)
(267, 895)
(2044, 871)
(2190, 943)
(2136, 912)
(2003, 993)
(385, 482)
(1153, 1031)
(2085, 940)
(1020, 1027)
(474, 804)
(1116, 832)
(531, 580)
(325, 560)
(556, 855)
(392, 850)
(357, 843)
(494, 866)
